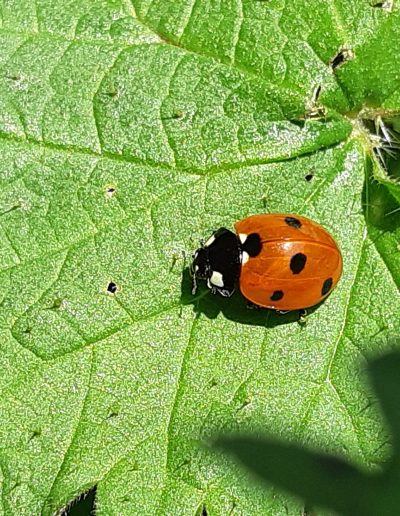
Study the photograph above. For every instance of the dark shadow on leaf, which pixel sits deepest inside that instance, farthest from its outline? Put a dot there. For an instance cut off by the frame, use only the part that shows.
(328, 481)
(234, 308)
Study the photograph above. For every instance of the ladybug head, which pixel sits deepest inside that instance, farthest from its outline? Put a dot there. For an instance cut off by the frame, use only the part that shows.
(218, 262)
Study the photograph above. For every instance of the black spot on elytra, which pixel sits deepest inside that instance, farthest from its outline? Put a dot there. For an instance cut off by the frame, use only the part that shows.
(252, 245)
(277, 295)
(112, 287)
(326, 286)
(293, 222)
(298, 262)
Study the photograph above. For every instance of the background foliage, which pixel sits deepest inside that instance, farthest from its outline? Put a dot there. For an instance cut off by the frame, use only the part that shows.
(128, 131)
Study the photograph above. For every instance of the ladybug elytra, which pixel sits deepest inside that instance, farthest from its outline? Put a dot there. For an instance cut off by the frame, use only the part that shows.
(280, 261)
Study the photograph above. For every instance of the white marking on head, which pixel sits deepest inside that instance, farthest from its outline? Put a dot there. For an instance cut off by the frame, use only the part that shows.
(217, 279)
(210, 241)
(245, 257)
(242, 237)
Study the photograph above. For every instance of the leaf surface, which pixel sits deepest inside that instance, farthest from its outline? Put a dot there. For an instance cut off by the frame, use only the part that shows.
(127, 134)
(341, 487)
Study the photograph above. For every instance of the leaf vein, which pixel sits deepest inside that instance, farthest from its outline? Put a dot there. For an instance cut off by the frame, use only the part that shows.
(186, 21)
(237, 30)
(96, 93)
(47, 500)
(178, 393)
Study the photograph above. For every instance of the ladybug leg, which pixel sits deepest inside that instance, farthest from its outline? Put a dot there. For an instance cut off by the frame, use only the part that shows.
(282, 312)
(194, 285)
(302, 317)
(251, 306)
(192, 273)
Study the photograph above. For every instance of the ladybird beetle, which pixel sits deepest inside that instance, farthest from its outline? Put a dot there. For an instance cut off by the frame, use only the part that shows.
(281, 261)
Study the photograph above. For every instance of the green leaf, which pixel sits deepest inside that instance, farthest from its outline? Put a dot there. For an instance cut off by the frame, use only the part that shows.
(127, 134)
(328, 481)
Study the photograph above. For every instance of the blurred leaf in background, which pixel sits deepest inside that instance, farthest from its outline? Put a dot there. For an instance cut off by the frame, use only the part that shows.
(129, 131)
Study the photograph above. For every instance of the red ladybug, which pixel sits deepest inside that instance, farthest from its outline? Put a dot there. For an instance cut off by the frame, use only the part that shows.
(282, 261)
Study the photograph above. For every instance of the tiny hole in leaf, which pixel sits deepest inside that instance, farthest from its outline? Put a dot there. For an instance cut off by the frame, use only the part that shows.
(185, 462)
(176, 115)
(112, 287)
(344, 55)
(387, 5)
(308, 177)
(244, 405)
(110, 191)
(113, 92)
(113, 412)
(17, 484)
(56, 304)
(35, 433)
(15, 206)
(134, 467)
(317, 93)
(204, 511)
